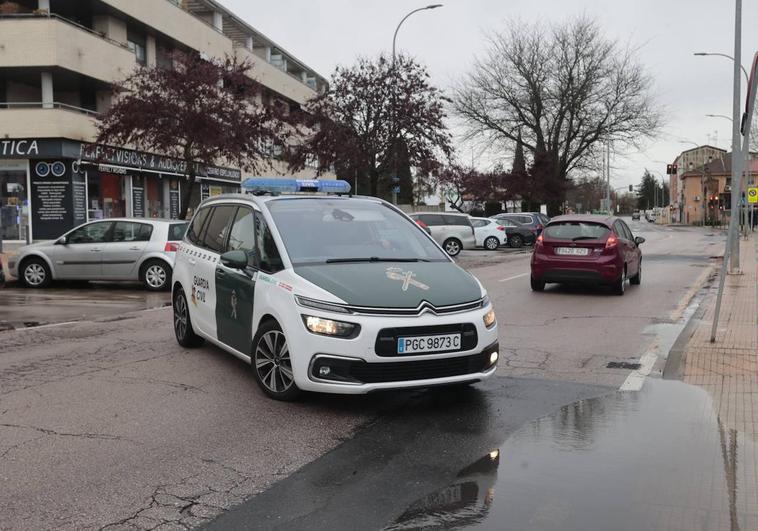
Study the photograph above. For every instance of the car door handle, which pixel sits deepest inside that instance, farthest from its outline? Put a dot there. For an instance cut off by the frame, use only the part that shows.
(95, 250)
(135, 248)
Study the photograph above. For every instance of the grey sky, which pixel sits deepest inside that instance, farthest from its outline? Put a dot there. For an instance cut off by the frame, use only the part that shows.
(325, 33)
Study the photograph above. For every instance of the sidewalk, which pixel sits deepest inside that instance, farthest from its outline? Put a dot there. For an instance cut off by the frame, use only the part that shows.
(728, 371)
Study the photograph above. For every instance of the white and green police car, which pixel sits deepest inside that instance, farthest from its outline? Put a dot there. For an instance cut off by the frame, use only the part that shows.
(329, 293)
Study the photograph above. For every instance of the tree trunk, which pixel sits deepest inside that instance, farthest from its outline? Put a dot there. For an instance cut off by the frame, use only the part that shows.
(189, 186)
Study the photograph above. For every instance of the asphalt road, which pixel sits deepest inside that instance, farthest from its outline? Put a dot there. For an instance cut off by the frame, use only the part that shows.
(107, 423)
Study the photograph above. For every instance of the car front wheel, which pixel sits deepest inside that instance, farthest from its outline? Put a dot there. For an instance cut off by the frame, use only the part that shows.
(637, 279)
(272, 364)
(35, 273)
(452, 246)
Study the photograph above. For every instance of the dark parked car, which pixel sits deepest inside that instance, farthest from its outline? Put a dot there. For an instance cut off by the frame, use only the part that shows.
(534, 221)
(517, 235)
(587, 249)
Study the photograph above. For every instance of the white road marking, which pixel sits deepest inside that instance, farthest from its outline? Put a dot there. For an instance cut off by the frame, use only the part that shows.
(636, 379)
(513, 278)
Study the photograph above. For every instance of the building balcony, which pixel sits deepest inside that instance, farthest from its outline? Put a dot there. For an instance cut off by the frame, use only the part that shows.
(170, 19)
(55, 120)
(50, 41)
(275, 78)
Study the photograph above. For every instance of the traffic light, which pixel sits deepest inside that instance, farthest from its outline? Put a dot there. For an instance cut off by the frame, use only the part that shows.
(631, 188)
(669, 168)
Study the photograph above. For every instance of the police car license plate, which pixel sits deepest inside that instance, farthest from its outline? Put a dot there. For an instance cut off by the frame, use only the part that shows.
(415, 344)
(574, 251)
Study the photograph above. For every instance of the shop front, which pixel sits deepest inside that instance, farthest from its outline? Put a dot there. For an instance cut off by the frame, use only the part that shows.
(48, 186)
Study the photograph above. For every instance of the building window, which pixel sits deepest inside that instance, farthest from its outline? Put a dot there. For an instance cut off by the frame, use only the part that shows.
(137, 44)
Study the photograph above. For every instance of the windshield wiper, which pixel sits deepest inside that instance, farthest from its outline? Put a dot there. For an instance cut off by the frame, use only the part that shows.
(583, 238)
(373, 259)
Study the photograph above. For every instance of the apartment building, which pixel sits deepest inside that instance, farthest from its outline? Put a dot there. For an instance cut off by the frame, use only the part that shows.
(681, 189)
(57, 60)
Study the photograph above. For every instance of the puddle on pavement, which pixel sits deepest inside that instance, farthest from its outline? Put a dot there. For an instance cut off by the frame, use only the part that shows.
(656, 459)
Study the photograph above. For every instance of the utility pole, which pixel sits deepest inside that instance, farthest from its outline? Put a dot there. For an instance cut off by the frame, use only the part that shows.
(737, 155)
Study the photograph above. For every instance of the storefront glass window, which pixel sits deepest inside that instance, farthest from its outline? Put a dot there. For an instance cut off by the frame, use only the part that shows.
(106, 195)
(12, 197)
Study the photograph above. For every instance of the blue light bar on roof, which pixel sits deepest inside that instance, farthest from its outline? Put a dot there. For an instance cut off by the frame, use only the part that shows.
(290, 186)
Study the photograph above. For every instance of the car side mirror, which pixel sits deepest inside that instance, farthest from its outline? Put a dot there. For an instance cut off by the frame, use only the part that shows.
(639, 240)
(234, 259)
(63, 240)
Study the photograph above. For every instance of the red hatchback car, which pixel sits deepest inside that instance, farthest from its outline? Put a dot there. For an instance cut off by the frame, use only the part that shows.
(587, 249)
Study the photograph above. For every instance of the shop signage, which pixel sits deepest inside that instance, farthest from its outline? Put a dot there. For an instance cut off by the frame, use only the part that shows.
(173, 204)
(52, 200)
(140, 160)
(30, 148)
(138, 201)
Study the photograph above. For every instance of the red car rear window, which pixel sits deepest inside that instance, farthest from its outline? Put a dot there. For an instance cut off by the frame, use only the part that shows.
(571, 230)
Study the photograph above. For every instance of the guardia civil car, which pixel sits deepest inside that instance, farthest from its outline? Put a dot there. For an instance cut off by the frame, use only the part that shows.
(330, 294)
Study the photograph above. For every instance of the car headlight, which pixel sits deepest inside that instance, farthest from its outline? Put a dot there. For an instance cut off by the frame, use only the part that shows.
(329, 327)
(489, 318)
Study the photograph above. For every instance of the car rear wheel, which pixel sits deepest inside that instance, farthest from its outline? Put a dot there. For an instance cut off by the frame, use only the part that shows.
(185, 335)
(156, 275)
(537, 285)
(272, 364)
(619, 287)
(516, 241)
(452, 246)
(491, 243)
(35, 273)
(637, 279)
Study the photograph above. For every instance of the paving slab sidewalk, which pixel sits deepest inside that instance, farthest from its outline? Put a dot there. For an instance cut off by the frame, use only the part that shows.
(728, 371)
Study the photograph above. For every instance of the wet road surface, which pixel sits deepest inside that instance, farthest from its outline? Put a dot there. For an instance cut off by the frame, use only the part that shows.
(658, 459)
(23, 308)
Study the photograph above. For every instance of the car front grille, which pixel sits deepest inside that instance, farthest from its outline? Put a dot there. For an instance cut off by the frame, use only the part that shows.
(353, 371)
(386, 339)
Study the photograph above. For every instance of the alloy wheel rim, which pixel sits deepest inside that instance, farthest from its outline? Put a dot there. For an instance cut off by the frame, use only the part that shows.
(180, 316)
(34, 274)
(452, 248)
(155, 276)
(516, 241)
(491, 244)
(272, 362)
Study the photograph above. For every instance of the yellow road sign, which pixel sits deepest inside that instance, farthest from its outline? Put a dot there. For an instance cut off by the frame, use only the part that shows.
(752, 195)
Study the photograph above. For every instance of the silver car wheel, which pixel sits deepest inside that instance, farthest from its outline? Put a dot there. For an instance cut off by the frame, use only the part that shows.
(272, 362)
(155, 276)
(180, 316)
(491, 243)
(35, 274)
(452, 248)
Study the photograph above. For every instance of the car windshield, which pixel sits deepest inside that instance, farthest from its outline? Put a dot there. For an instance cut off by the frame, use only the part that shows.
(344, 230)
(574, 230)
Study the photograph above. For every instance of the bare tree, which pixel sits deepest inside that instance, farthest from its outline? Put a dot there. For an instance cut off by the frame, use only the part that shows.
(566, 88)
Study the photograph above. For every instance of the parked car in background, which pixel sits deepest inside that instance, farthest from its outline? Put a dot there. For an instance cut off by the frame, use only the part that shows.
(110, 249)
(587, 249)
(535, 221)
(489, 233)
(517, 235)
(453, 231)
(636, 215)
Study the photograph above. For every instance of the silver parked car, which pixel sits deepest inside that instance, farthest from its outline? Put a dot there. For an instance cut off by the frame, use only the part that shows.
(453, 231)
(109, 249)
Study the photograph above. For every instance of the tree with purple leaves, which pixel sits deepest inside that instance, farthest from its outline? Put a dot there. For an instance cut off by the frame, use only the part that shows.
(203, 112)
(374, 118)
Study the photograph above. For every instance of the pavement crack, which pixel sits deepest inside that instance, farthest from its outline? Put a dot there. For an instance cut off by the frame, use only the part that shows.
(47, 431)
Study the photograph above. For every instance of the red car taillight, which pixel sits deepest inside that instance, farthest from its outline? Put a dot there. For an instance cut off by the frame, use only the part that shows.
(171, 247)
(538, 242)
(611, 242)
(500, 227)
(421, 224)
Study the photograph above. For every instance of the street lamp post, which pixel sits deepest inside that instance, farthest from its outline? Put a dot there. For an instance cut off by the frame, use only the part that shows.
(734, 241)
(746, 163)
(394, 95)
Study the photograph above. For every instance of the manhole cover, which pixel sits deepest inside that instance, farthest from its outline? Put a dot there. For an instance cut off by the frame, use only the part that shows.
(623, 365)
